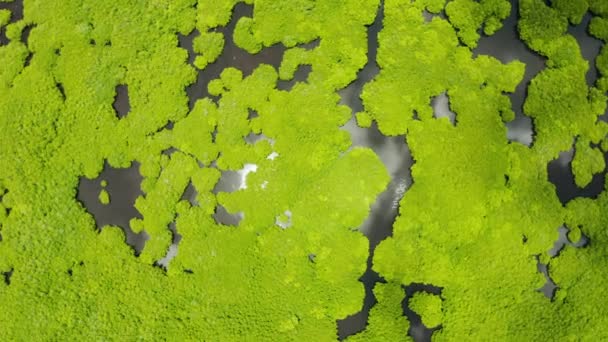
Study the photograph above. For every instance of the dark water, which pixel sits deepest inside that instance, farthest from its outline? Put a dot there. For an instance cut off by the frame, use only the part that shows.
(121, 104)
(232, 56)
(16, 9)
(124, 184)
(506, 46)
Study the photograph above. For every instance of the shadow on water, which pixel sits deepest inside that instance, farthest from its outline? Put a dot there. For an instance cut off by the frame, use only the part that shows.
(590, 46)
(16, 8)
(121, 104)
(560, 174)
(230, 181)
(418, 331)
(506, 46)
(232, 56)
(190, 196)
(549, 288)
(300, 75)
(365, 137)
(123, 186)
(395, 154)
(396, 157)
(7, 276)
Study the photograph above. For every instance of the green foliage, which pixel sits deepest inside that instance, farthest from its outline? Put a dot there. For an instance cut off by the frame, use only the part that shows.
(420, 71)
(71, 282)
(480, 207)
(599, 7)
(599, 28)
(428, 306)
(468, 15)
(433, 6)
(559, 100)
(587, 161)
(243, 35)
(540, 24)
(574, 10)
(479, 213)
(5, 17)
(104, 197)
(210, 46)
(386, 321)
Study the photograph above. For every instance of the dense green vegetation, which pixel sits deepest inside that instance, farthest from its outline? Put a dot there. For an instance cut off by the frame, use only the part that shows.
(480, 214)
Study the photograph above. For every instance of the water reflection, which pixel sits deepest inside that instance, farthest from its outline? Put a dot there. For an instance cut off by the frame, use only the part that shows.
(284, 221)
(231, 181)
(172, 251)
(222, 216)
(506, 46)
(394, 153)
(441, 108)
